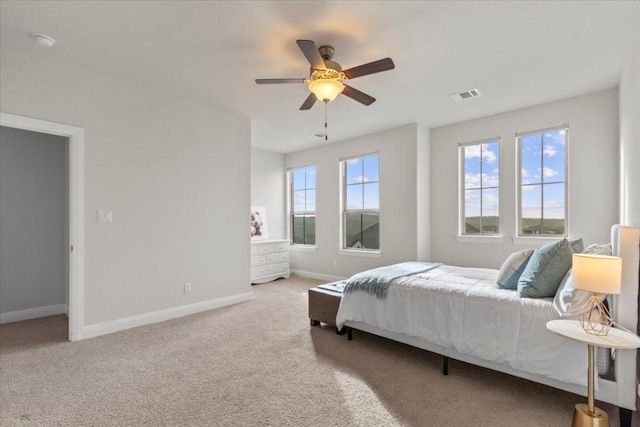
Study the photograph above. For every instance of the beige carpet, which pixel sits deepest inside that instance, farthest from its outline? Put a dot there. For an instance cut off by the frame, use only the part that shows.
(254, 364)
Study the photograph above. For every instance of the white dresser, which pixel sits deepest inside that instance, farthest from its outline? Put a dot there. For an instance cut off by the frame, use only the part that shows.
(269, 260)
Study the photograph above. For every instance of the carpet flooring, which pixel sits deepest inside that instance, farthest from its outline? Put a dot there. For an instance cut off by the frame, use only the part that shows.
(258, 363)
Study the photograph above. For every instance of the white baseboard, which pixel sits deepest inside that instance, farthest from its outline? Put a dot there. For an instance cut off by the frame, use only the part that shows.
(318, 276)
(33, 313)
(160, 316)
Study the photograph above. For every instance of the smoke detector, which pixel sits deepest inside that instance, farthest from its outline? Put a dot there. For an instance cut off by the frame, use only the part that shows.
(467, 94)
(43, 40)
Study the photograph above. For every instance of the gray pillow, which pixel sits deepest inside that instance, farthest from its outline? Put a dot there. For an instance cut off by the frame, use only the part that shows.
(545, 270)
(512, 269)
(577, 245)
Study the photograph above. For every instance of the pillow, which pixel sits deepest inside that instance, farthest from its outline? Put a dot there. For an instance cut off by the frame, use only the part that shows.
(599, 249)
(577, 245)
(569, 300)
(512, 268)
(545, 270)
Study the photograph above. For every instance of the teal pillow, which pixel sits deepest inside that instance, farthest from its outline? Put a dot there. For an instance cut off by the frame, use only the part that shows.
(545, 270)
(512, 269)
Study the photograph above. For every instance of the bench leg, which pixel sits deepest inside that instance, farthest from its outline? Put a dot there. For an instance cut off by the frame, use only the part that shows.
(625, 417)
(349, 334)
(445, 365)
(315, 322)
(341, 331)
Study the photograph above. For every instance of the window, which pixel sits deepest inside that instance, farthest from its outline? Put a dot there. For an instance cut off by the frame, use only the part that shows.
(542, 187)
(361, 205)
(303, 205)
(480, 167)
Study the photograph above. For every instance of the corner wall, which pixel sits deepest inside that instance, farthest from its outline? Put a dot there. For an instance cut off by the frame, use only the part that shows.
(268, 189)
(175, 174)
(593, 174)
(398, 205)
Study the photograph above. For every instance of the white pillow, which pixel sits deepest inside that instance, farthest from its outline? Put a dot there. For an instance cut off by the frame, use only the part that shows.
(569, 300)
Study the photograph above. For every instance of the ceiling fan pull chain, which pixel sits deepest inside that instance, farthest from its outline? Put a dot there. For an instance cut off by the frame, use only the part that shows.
(326, 131)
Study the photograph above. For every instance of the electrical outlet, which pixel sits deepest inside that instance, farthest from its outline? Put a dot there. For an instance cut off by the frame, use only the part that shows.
(187, 288)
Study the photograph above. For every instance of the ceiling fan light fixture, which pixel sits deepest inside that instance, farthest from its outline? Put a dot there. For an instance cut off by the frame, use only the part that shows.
(326, 90)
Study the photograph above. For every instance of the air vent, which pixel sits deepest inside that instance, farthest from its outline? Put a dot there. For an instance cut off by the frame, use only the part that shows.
(467, 94)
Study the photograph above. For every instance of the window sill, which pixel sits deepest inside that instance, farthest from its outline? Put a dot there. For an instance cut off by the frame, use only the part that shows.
(302, 248)
(535, 241)
(363, 254)
(498, 239)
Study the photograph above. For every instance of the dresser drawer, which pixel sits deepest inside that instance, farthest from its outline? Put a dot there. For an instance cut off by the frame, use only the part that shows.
(258, 271)
(257, 261)
(281, 247)
(278, 268)
(277, 258)
(265, 249)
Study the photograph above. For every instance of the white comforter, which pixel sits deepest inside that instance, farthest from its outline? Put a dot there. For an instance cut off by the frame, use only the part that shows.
(463, 309)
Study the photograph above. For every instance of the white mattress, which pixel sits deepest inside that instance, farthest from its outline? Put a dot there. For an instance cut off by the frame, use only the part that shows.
(463, 309)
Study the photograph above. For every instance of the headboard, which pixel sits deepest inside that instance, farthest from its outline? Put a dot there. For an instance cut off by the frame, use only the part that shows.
(625, 243)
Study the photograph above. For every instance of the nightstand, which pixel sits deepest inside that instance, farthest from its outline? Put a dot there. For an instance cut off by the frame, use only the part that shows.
(589, 415)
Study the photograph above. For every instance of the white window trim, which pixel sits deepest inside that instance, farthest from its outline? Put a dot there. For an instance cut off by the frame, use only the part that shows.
(470, 238)
(301, 247)
(522, 239)
(366, 253)
(462, 237)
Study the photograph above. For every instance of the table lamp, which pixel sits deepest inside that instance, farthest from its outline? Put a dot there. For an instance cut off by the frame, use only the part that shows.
(597, 274)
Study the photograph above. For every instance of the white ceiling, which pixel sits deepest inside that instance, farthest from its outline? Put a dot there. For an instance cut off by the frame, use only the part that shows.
(516, 53)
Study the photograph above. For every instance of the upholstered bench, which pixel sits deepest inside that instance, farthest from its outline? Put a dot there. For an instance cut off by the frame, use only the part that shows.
(324, 301)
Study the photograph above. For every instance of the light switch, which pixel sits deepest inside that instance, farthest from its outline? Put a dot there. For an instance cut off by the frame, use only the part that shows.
(104, 216)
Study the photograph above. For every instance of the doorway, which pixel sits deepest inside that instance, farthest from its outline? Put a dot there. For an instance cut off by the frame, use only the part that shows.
(74, 239)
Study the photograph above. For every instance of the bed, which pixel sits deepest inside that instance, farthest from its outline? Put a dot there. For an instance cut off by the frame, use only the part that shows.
(460, 313)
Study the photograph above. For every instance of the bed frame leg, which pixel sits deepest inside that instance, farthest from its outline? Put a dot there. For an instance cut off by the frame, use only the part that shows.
(445, 365)
(349, 334)
(625, 417)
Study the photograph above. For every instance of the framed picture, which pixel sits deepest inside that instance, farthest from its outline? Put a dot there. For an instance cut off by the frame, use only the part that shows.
(259, 223)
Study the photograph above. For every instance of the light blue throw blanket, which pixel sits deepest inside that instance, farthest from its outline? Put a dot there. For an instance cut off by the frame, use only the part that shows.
(377, 281)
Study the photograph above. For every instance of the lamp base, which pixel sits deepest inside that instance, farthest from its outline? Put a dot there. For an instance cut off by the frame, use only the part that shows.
(582, 417)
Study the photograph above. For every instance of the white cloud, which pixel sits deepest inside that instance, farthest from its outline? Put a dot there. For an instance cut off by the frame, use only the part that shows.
(548, 172)
(475, 179)
(473, 151)
(360, 178)
(549, 150)
(524, 173)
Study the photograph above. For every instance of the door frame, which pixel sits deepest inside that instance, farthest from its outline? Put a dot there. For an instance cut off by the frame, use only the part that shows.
(76, 209)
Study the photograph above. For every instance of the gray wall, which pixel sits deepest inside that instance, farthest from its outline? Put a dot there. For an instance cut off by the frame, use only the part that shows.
(268, 184)
(175, 173)
(398, 149)
(33, 220)
(593, 174)
(630, 130)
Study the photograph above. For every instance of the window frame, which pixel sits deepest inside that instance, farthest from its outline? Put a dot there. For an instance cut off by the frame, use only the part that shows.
(343, 249)
(519, 135)
(291, 203)
(463, 236)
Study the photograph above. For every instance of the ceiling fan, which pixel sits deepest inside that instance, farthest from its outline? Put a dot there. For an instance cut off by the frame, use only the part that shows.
(326, 76)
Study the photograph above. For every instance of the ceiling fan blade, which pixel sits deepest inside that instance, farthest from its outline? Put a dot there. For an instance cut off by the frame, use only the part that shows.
(308, 103)
(271, 81)
(356, 95)
(370, 68)
(310, 51)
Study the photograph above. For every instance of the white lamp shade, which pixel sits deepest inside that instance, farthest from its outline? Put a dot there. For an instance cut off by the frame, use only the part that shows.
(597, 273)
(326, 90)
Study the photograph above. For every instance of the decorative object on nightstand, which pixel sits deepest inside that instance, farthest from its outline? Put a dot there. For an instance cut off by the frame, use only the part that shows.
(597, 274)
(589, 415)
